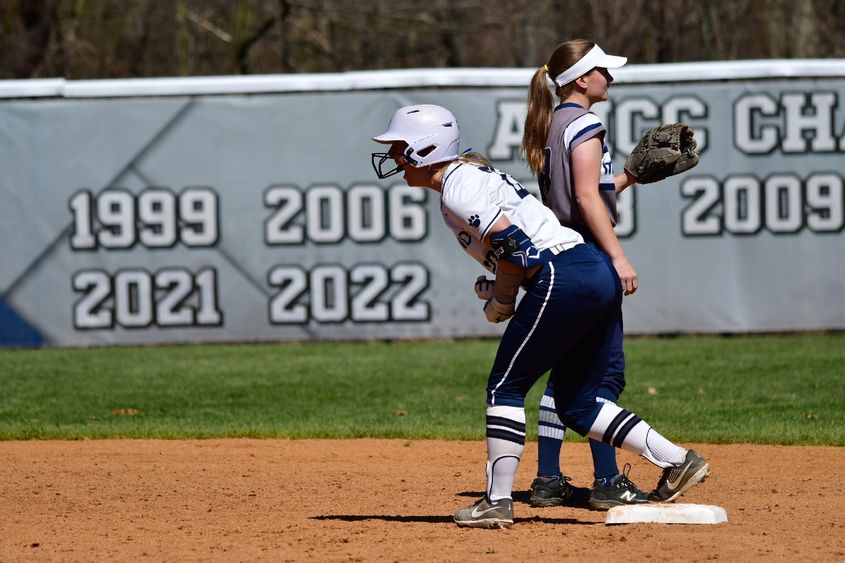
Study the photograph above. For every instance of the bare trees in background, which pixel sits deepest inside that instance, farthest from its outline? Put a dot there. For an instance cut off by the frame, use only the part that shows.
(132, 38)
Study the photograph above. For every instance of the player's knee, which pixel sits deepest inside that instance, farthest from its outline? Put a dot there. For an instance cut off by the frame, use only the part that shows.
(505, 398)
(611, 392)
(578, 418)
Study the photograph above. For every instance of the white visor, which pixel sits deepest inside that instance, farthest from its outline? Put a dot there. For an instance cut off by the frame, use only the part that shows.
(595, 58)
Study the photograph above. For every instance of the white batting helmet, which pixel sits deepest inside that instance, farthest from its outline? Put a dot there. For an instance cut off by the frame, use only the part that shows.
(431, 132)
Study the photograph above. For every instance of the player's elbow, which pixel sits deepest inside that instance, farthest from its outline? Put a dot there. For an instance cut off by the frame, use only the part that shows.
(509, 268)
(586, 197)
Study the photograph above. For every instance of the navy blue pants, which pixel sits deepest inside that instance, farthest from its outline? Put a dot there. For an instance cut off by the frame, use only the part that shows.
(564, 323)
(614, 376)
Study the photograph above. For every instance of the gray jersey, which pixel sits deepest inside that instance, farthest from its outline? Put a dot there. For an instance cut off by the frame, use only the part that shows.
(571, 126)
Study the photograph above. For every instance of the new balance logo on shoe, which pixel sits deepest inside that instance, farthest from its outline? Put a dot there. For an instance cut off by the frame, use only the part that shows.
(620, 491)
(628, 496)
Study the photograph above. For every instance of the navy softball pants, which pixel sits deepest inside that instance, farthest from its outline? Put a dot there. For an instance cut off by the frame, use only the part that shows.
(564, 324)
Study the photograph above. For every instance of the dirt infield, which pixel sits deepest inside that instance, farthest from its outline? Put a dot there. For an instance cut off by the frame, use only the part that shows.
(385, 500)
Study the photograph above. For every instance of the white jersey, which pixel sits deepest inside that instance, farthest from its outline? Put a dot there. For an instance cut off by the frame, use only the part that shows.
(472, 199)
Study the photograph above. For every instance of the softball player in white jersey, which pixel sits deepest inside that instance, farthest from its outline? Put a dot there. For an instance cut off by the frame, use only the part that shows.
(564, 320)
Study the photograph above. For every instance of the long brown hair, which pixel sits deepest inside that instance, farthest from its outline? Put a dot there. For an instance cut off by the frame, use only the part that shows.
(538, 119)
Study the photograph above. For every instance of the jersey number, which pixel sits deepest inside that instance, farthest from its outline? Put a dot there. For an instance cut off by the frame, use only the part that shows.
(520, 191)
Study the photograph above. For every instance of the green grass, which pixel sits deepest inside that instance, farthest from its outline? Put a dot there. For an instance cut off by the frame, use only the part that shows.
(763, 389)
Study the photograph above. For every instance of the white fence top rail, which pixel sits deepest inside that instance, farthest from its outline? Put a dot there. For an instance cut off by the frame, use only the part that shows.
(408, 78)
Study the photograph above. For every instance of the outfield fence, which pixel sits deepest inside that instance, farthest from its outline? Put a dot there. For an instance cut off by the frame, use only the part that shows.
(245, 208)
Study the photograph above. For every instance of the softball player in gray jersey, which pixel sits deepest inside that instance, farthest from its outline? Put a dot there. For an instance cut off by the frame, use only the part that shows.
(566, 148)
(565, 318)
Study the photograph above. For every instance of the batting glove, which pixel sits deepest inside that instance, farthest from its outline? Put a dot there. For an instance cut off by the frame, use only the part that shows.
(484, 288)
(497, 312)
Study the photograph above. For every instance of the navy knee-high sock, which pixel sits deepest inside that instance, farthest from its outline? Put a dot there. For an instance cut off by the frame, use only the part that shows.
(550, 432)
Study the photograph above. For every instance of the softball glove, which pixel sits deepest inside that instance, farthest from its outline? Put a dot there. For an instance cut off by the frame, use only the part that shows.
(662, 152)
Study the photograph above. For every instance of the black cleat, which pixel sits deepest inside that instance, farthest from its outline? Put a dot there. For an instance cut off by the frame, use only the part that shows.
(620, 492)
(556, 491)
(486, 514)
(675, 481)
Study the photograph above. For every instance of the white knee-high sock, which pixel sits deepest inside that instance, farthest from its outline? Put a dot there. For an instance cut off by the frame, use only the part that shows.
(624, 429)
(505, 442)
(548, 422)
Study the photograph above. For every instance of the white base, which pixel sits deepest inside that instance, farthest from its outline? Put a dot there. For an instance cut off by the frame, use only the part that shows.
(667, 514)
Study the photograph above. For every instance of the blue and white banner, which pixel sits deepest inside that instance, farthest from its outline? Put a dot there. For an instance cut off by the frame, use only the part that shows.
(256, 216)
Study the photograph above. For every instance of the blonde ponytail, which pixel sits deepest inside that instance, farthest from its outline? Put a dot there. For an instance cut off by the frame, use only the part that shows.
(475, 159)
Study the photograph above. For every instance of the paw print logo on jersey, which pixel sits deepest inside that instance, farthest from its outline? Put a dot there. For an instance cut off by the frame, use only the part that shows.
(474, 221)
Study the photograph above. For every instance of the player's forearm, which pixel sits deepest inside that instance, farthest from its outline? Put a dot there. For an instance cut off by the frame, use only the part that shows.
(605, 237)
(595, 216)
(623, 180)
(508, 280)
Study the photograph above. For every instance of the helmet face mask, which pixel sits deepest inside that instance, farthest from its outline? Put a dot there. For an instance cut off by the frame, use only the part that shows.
(431, 133)
(379, 159)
